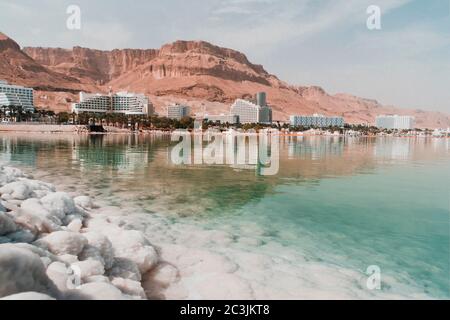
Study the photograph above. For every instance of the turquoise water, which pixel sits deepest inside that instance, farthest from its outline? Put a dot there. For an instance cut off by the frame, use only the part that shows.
(342, 203)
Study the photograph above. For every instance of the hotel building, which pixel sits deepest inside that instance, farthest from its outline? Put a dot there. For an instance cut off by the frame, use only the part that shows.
(121, 102)
(316, 120)
(11, 95)
(395, 122)
(222, 118)
(177, 111)
(252, 112)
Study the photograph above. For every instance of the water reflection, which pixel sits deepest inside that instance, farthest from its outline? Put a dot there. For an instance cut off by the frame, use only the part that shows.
(139, 167)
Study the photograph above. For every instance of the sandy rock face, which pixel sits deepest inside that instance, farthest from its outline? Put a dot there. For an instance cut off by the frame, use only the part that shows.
(21, 271)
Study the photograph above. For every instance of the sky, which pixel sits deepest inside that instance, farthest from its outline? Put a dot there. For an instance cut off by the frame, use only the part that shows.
(406, 63)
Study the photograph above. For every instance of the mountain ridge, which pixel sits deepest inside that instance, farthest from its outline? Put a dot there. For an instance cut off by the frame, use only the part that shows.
(202, 74)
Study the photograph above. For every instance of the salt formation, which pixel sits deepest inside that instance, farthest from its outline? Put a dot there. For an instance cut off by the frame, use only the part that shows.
(53, 246)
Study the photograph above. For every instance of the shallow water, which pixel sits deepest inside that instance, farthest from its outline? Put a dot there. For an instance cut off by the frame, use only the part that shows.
(336, 207)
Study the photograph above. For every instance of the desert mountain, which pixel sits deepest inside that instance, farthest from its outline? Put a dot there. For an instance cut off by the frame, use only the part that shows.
(206, 76)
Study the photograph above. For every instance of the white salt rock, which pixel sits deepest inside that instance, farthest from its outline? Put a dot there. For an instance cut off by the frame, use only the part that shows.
(132, 245)
(84, 202)
(36, 250)
(25, 188)
(34, 216)
(91, 253)
(58, 273)
(59, 204)
(129, 287)
(100, 291)
(9, 174)
(7, 224)
(72, 217)
(21, 271)
(17, 190)
(104, 246)
(2, 207)
(63, 242)
(68, 258)
(9, 206)
(125, 268)
(7, 197)
(89, 268)
(25, 236)
(46, 261)
(96, 279)
(28, 296)
(75, 225)
(164, 275)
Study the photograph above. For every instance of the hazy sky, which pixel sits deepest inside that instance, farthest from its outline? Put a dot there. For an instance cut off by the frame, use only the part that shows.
(305, 42)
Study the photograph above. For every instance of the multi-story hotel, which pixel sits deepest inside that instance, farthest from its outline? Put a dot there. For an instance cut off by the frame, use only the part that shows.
(316, 120)
(395, 122)
(222, 118)
(11, 95)
(177, 111)
(121, 102)
(252, 112)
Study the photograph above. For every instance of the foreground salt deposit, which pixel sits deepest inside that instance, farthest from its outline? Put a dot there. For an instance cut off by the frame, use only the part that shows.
(53, 246)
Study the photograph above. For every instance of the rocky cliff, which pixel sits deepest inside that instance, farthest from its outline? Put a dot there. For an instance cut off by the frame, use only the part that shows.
(196, 72)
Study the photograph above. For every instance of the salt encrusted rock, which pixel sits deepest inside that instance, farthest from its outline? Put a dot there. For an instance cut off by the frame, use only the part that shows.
(34, 216)
(21, 271)
(63, 242)
(58, 273)
(7, 224)
(96, 279)
(75, 225)
(26, 188)
(91, 253)
(25, 236)
(59, 204)
(103, 245)
(16, 190)
(84, 202)
(68, 258)
(28, 296)
(46, 261)
(100, 291)
(36, 250)
(125, 268)
(9, 206)
(89, 268)
(2, 207)
(129, 287)
(9, 174)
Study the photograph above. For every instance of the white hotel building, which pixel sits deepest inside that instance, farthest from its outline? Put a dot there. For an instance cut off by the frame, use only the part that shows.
(249, 112)
(177, 111)
(121, 102)
(316, 120)
(11, 95)
(395, 122)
